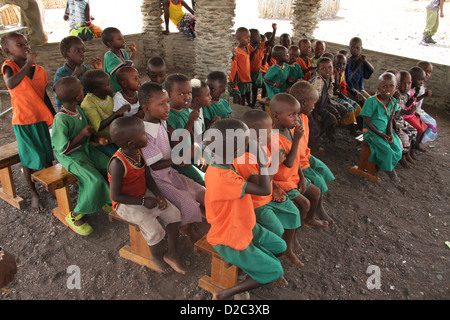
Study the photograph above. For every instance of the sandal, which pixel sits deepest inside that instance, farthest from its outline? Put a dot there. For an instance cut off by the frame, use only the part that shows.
(85, 229)
(107, 208)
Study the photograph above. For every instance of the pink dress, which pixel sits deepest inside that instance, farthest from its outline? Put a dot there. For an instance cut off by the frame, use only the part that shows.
(181, 191)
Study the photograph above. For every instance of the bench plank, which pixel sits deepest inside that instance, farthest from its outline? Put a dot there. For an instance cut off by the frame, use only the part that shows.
(54, 177)
(9, 155)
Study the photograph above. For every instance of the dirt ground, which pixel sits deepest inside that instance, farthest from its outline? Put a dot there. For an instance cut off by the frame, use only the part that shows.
(401, 228)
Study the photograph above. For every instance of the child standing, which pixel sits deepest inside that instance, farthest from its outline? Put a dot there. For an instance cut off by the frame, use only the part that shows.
(295, 72)
(319, 50)
(157, 70)
(136, 197)
(129, 80)
(183, 192)
(219, 108)
(70, 137)
(243, 51)
(72, 48)
(32, 109)
(304, 60)
(276, 77)
(98, 105)
(116, 57)
(234, 232)
(378, 116)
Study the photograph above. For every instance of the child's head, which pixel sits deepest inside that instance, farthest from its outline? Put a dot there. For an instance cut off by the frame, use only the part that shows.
(72, 48)
(285, 108)
(285, 40)
(154, 101)
(405, 81)
(305, 47)
(427, 67)
(112, 38)
(340, 62)
(319, 48)
(396, 73)
(294, 54)
(180, 91)
(417, 77)
(306, 95)
(355, 46)
(255, 37)
(128, 133)
(344, 52)
(97, 82)
(157, 70)
(325, 67)
(243, 36)
(217, 82)
(261, 122)
(201, 96)
(128, 78)
(69, 90)
(280, 54)
(15, 45)
(387, 85)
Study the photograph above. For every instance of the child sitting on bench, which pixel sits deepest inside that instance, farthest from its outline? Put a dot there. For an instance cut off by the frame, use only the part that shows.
(136, 197)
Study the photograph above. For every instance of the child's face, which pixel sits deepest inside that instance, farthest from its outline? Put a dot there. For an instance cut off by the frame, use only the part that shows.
(282, 56)
(340, 64)
(285, 41)
(255, 38)
(405, 84)
(288, 117)
(75, 53)
(157, 74)
(308, 103)
(305, 48)
(418, 80)
(140, 137)
(244, 39)
(204, 100)
(133, 81)
(157, 107)
(387, 87)
(118, 41)
(294, 54)
(216, 89)
(325, 70)
(319, 50)
(18, 48)
(428, 71)
(181, 95)
(355, 48)
(104, 87)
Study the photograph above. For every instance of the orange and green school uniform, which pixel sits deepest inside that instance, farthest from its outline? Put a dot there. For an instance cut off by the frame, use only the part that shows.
(305, 63)
(234, 232)
(243, 69)
(31, 118)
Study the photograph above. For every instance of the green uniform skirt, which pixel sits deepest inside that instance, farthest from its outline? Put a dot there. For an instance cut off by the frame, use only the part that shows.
(319, 174)
(278, 216)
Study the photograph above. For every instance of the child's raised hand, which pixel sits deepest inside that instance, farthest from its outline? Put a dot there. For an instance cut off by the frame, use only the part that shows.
(97, 63)
(274, 26)
(31, 57)
(298, 132)
(78, 71)
(428, 93)
(88, 131)
(123, 109)
(132, 47)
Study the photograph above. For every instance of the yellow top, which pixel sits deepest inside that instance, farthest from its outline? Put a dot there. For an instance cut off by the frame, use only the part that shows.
(176, 12)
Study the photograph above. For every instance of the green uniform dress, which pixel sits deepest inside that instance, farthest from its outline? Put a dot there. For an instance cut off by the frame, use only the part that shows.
(219, 108)
(85, 162)
(384, 154)
(278, 74)
(112, 63)
(294, 74)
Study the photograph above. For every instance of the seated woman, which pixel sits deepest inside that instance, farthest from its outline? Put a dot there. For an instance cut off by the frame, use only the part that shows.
(185, 21)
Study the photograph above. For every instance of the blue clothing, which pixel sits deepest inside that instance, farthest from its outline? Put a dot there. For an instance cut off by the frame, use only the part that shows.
(62, 72)
(356, 81)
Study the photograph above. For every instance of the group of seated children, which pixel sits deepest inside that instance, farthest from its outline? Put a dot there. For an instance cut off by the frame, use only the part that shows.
(143, 138)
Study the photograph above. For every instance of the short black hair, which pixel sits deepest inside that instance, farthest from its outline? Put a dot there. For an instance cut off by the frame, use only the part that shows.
(323, 60)
(175, 78)
(217, 75)
(107, 35)
(91, 78)
(5, 39)
(66, 88)
(254, 118)
(65, 44)
(197, 86)
(156, 62)
(123, 129)
(121, 74)
(281, 99)
(146, 91)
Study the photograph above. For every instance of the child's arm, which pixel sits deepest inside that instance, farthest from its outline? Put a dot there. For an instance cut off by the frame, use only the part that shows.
(133, 52)
(11, 79)
(153, 187)
(374, 129)
(66, 12)
(187, 7)
(271, 40)
(87, 15)
(166, 15)
(290, 158)
(85, 132)
(263, 186)
(48, 103)
(111, 118)
(273, 84)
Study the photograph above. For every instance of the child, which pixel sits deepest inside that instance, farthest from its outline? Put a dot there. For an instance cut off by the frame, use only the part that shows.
(185, 21)
(116, 57)
(319, 49)
(285, 40)
(157, 70)
(234, 232)
(304, 60)
(295, 72)
(378, 116)
(183, 192)
(430, 134)
(276, 77)
(282, 216)
(136, 197)
(181, 120)
(358, 69)
(312, 168)
(219, 108)
(98, 105)
(72, 48)
(243, 51)
(32, 109)
(233, 80)
(70, 137)
(78, 14)
(201, 100)
(129, 80)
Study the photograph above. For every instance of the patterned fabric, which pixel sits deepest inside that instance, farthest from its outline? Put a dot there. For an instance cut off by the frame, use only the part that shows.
(76, 11)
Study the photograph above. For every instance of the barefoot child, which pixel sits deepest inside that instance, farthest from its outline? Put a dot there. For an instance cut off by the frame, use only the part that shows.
(116, 57)
(157, 70)
(98, 105)
(378, 116)
(136, 197)
(32, 109)
(234, 232)
(219, 108)
(70, 136)
(129, 80)
(281, 217)
(243, 51)
(183, 192)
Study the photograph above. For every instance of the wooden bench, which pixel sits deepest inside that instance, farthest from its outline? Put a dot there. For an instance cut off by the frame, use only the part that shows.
(9, 155)
(223, 274)
(365, 168)
(138, 251)
(57, 179)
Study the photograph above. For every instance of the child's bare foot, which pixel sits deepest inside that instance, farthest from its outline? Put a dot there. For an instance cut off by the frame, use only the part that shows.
(420, 148)
(281, 282)
(393, 175)
(314, 223)
(323, 215)
(36, 203)
(298, 250)
(292, 257)
(409, 158)
(404, 163)
(174, 263)
(161, 265)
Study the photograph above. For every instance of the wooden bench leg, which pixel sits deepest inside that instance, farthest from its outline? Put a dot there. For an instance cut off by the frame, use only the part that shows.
(64, 204)
(8, 189)
(223, 276)
(138, 251)
(365, 168)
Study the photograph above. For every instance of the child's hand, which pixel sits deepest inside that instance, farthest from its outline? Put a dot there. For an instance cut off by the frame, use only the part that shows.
(278, 194)
(298, 132)
(123, 109)
(216, 118)
(150, 202)
(78, 71)
(277, 84)
(194, 115)
(162, 202)
(132, 47)
(103, 141)
(362, 58)
(428, 93)
(97, 63)
(31, 57)
(281, 156)
(302, 185)
(88, 131)
(274, 26)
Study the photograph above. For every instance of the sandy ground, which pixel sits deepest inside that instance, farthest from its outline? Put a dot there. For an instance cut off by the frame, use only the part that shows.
(400, 228)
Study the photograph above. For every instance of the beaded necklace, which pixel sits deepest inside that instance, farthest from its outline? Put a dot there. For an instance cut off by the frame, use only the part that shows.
(71, 113)
(131, 159)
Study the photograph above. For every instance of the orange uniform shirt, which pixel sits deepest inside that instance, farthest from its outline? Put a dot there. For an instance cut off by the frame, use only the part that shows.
(229, 210)
(27, 98)
(305, 66)
(287, 178)
(303, 150)
(256, 62)
(243, 64)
